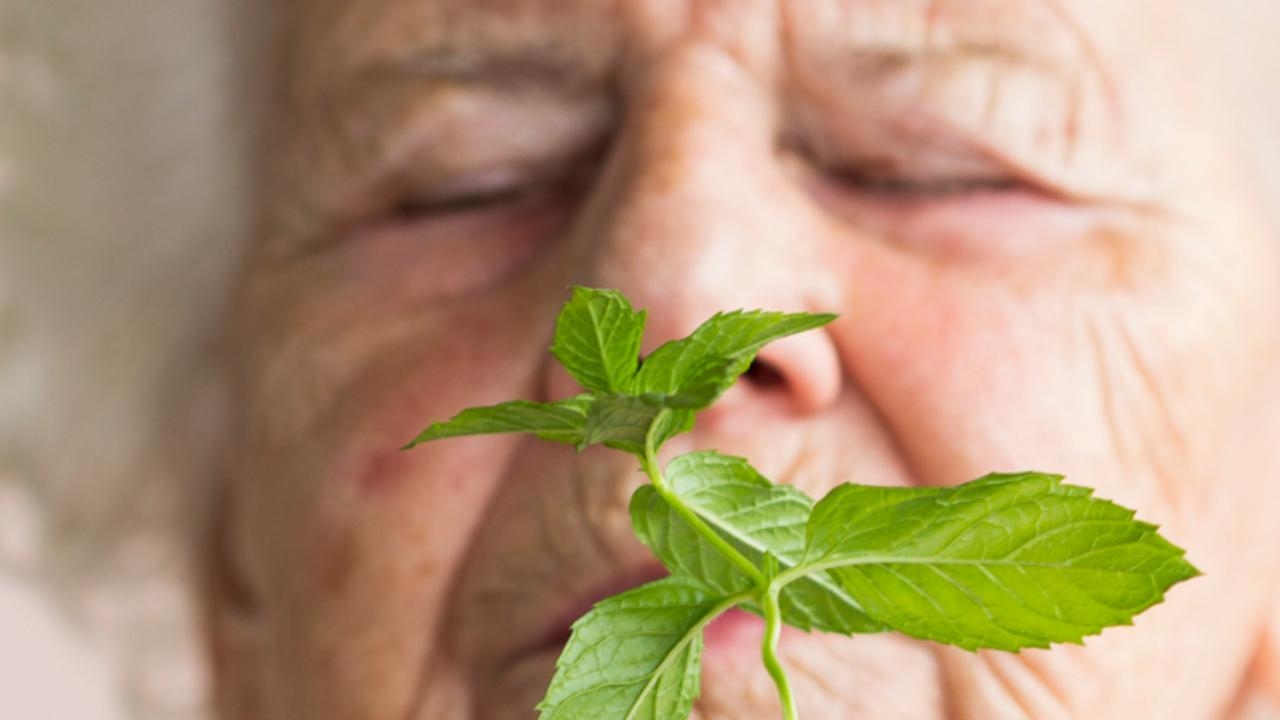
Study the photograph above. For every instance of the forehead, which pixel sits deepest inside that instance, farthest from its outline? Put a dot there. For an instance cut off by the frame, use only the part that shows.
(338, 42)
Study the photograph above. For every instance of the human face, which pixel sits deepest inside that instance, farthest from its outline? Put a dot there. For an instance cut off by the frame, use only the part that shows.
(1027, 214)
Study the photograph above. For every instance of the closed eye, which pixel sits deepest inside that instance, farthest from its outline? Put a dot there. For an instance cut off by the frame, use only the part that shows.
(473, 200)
(498, 189)
(920, 188)
(481, 228)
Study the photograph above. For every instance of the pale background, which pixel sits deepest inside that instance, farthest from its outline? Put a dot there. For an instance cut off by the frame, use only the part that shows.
(123, 196)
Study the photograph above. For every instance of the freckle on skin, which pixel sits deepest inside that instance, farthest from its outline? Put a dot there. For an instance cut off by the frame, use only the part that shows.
(335, 560)
(1119, 251)
(384, 471)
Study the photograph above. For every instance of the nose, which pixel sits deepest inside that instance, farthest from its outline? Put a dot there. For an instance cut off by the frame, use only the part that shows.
(693, 214)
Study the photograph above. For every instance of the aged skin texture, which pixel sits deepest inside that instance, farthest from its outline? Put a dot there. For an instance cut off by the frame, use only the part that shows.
(1028, 213)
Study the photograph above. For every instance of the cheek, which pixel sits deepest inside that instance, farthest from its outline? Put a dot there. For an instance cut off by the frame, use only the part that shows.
(971, 375)
(978, 370)
(360, 543)
(437, 259)
(477, 356)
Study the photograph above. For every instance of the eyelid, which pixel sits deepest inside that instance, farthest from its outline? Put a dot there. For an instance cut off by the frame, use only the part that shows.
(927, 174)
(503, 184)
(488, 181)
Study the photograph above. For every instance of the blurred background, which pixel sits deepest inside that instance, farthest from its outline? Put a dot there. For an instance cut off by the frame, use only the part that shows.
(123, 129)
(126, 141)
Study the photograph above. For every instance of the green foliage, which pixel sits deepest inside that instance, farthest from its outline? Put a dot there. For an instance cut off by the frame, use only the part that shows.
(635, 655)
(1004, 562)
(693, 371)
(598, 339)
(562, 421)
(622, 422)
(756, 517)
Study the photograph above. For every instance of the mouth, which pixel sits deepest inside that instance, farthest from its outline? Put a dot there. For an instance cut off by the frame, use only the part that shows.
(556, 541)
(735, 631)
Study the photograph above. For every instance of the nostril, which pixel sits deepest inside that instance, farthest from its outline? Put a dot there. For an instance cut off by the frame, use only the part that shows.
(763, 375)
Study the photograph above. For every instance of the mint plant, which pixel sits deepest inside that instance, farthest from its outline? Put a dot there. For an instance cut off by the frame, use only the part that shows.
(1005, 562)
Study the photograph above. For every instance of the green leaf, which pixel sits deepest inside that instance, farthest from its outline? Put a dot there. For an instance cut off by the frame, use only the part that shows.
(619, 421)
(561, 421)
(669, 424)
(693, 371)
(756, 517)
(1006, 561)
(623, 422)
(635, 655)
(597, 339)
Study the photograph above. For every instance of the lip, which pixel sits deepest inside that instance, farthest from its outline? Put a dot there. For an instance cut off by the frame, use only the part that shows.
(555, 541)
(737, 630)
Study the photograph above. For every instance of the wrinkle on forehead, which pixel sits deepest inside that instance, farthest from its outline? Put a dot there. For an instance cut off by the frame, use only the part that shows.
(1029, 32)
(340, 42)
(370, 69)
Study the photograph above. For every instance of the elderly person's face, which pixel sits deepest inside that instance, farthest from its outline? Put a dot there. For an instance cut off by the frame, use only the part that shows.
(1026, 212)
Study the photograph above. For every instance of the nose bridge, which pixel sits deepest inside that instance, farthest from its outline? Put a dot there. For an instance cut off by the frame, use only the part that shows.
(688, 216)
(694, 215)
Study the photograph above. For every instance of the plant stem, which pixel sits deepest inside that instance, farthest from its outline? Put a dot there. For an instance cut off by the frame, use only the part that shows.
(767, 588)
(769, 651)
(650, 465)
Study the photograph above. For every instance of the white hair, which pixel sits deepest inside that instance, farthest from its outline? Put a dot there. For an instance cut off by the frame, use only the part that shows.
(124, 130)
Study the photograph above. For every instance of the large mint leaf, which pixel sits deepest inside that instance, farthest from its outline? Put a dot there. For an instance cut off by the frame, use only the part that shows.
(597, 339)
(563, 421)
(1006, 561)
(635, 655)
(755, 516)
(693, 371)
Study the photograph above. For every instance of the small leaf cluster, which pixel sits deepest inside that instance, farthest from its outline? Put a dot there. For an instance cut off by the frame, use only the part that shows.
(1007, 561)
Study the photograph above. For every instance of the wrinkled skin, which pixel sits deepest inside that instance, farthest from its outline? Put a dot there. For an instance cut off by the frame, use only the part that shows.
(1028, 215)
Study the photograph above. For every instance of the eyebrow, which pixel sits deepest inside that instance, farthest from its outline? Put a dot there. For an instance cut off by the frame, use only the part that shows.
(884, 60)
(561, 47)
(876, 47)
(476, 53)
(509, 67)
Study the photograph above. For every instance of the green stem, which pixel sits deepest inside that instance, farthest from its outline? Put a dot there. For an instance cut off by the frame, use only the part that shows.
(650, 465)
(769, 651)
(766, 588)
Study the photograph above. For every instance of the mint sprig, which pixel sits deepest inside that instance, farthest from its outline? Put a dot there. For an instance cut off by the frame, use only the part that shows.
(1006, 561)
